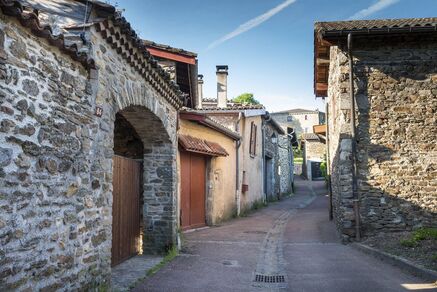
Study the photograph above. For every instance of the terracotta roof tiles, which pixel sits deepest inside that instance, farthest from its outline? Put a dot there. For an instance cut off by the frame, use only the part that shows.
(197, 145)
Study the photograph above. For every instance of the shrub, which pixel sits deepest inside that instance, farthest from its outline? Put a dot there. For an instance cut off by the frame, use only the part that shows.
(409, 242)
(425, 233)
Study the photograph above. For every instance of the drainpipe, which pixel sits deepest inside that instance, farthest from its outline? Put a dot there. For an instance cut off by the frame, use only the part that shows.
(356, 199)
(237, 173)
(328, 164)
(264, 175)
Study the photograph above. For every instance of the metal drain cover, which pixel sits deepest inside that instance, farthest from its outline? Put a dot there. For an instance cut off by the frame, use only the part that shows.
(269, 278)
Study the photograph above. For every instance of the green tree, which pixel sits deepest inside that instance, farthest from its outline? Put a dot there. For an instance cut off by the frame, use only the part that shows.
(245, 98)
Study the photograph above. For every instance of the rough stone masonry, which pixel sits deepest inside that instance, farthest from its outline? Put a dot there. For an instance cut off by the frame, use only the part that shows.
(56, 160)
(396, 92)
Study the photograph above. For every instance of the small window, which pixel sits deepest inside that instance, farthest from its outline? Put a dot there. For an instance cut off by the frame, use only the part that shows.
(252, 146)
(289, 118)
(306, 117)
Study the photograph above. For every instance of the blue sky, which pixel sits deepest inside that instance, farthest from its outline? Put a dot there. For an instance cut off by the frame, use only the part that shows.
(272, 59)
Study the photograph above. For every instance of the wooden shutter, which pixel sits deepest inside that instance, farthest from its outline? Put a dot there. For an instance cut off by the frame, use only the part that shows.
(252, 146)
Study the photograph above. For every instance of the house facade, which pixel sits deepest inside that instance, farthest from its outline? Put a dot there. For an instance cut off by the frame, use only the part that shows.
(313, 152)
(83, 114)
(272, 161)
(286, 143)
(248, 122)
(381, 126)
(207, 150)
(300, 120)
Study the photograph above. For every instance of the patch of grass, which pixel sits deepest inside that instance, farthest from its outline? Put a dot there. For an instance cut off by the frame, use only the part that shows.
(425, 233)
(298, 160)
(258, 205)
(419, 235)
(172, 253)
(408, 242)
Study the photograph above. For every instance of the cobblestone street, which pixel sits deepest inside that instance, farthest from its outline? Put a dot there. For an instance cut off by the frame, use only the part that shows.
(292, 238)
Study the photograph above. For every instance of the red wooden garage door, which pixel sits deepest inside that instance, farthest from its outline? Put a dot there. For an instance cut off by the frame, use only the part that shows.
(193, 172)
(125, 208)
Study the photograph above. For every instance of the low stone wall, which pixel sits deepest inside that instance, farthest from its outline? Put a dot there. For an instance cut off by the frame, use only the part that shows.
(396, 88)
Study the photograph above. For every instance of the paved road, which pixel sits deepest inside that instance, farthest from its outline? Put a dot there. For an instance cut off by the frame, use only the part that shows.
(292, 240)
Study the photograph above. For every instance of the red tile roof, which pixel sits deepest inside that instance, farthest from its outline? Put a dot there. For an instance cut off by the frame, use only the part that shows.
(192, 144)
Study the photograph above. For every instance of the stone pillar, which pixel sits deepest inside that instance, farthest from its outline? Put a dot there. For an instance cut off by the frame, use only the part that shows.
(222, 85)
(199, 90)
(159, 198)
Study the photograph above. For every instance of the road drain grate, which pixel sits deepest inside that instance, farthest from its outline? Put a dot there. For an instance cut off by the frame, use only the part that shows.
(269, 278)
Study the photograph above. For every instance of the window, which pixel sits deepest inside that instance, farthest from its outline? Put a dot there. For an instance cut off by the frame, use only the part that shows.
(252, 146)
(306, 117)
(289, 118)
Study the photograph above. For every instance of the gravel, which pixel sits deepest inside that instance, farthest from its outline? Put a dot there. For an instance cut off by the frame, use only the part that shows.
(424, 254)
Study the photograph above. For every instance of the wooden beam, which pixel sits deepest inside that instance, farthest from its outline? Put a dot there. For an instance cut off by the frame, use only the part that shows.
(171, 56)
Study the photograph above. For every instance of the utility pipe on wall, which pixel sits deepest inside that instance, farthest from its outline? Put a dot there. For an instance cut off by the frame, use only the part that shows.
(237, 174)
(354, 140)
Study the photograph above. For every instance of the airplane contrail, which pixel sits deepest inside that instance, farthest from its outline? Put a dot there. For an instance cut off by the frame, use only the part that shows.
(380, 5)
(254, 22)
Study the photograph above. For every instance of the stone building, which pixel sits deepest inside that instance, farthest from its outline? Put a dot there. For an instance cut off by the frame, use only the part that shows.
(313, 152)
(382, 126)
(272, 164)
(83, 113)
(286, 144)
(300, 120)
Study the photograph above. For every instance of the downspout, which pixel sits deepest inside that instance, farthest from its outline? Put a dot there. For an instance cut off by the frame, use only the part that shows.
(263, 132)
(237, 166)
(356, 199)
(328, 164)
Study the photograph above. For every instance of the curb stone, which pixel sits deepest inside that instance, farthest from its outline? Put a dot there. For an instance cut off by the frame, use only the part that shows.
(397, 261)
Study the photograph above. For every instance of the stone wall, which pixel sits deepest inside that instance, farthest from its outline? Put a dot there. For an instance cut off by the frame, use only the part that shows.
(272, 151)
(315, 150)
(56, 162)
(286, 173)
(285, 154)
(396, 87)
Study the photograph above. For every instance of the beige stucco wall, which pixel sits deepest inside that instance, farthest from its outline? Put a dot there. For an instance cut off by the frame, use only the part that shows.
(221, 187)
(307, 124)
(251, 166)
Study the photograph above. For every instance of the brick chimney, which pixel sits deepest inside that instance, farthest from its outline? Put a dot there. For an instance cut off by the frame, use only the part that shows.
(222, 85)
(199, 90)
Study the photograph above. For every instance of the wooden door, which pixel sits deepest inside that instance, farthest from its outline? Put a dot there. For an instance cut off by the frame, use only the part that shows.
(193, 189)
(125, 208)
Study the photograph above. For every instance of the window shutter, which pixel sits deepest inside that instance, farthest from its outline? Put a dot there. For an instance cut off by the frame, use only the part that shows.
(254, 140)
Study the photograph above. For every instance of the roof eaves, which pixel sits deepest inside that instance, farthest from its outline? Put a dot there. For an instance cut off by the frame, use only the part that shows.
(207, 122)
(117, 31)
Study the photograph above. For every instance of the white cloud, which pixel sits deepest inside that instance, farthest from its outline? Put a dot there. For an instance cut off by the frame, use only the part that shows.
(254, 22)
(378, 6)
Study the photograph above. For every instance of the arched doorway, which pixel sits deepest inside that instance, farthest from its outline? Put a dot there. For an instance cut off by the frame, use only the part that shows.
(143, 185)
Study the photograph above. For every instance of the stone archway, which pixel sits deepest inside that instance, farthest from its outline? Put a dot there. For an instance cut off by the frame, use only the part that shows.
(158, 177)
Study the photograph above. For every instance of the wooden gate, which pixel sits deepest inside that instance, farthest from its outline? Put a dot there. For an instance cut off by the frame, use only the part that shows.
(193, 188)
(125, 208)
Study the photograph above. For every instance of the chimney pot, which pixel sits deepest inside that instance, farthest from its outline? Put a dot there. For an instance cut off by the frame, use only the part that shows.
(222, 85)
(199, 91)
